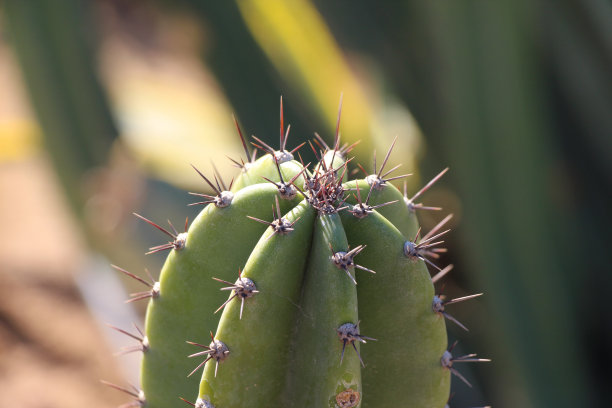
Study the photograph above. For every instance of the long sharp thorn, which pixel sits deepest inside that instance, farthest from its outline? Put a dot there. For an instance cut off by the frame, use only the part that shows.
(165, 231)
(264, 145)
(132, 393)
(125, 332)
(398, 177)
(442, 273)
(364, 268)
(239, 164)
(296, 220)
(188, 402)
(426, 208)
(430, 263)
(159, 248)
(133, 276)
(223, 281)
(241, 307)
(391, 171)
(429, 184)
(286, 137)
(128, 350)
(461, 299)
(358, 355)
(320, 141)
(437, 227)
(193, 343)
(386, 157)
(282, 126)
(295, 149)
(216, 171)
(173, 229)
(216, 368)
(457, 322)
(135, 297)
(362, 169)
(426, 241)
(383, 204)
(462, 378)
(342, 352)
(199, 366)
(206, 180)
(298, 175)
(369, 194)
(225, 303)
(355, 251)
(315, 152)
(350, 276)
(417, 235)
(359, 193)
(471, 360)
(202, 195)
(258, 220)
(201, 203)
(201, 353)
(278, 211)
(280, 175)
(218, 186)
(244, 144)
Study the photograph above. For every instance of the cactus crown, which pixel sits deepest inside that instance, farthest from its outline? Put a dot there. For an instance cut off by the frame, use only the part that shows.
(283, 326)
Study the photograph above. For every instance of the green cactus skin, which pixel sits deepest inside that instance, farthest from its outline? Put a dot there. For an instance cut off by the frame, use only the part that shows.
(218, 242)
(395, 306)
(329, 299)
(254, 372)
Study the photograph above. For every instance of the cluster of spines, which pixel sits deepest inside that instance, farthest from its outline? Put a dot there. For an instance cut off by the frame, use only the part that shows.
(325, 192)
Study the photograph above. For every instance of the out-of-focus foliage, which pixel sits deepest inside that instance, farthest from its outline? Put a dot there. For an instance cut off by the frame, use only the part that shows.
(514, 95)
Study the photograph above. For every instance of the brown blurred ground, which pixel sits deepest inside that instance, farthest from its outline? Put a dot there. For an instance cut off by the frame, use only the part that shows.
(52, 354)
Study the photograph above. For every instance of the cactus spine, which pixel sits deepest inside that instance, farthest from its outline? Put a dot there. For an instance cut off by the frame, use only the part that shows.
(289, 302)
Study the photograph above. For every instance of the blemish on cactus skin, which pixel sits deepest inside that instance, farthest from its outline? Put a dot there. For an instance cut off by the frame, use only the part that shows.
(348, 398)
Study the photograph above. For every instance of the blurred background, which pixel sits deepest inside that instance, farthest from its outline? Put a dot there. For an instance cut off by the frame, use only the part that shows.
(105, 104)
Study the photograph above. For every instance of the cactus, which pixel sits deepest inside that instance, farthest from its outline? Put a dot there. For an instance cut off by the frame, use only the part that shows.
(330, 300)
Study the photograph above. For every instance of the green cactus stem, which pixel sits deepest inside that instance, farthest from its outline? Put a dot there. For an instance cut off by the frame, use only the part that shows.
(258, 330)
(217, 244)
(287, 316)
(414, 337)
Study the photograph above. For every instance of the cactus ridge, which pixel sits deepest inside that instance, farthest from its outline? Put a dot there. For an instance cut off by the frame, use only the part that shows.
(269, 267)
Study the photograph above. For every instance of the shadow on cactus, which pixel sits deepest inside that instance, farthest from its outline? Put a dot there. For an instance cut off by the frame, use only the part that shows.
(313, 290)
